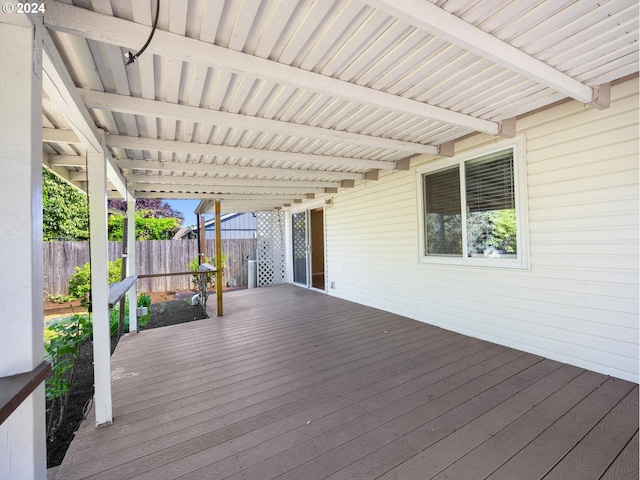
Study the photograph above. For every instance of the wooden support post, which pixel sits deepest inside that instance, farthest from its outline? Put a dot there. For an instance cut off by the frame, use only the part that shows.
(131, 263)
(123, 275)
(202, 244)
(218, 259)
(97, 166)
(23, 449)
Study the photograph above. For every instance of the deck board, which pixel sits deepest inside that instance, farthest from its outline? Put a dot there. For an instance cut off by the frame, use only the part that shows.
(294, 384)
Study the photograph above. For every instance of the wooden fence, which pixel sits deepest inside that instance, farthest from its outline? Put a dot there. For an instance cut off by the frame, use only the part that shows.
(152, 256)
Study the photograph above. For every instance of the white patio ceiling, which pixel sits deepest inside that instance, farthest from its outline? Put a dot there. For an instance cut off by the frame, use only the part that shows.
(264, 103)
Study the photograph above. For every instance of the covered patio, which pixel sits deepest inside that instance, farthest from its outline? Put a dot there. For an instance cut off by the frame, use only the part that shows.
(320, 387)
(346, 111)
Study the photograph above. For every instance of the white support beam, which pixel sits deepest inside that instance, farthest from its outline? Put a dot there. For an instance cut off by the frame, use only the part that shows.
(58, 135)
(131, 263)
(155, 108)
(279, 199)
(233, 170)
(114, 176)
(59, 87)
(229, 206)
(100, 288)
(116, 31)
(204, 168)
(23, 450)
(228, 196)
(66, 161)
(202, 207)
(216, 181)
(293, 190)
(139, 143)
(429, 17)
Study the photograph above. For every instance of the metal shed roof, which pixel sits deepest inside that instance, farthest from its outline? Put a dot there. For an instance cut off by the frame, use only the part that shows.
(262, 103)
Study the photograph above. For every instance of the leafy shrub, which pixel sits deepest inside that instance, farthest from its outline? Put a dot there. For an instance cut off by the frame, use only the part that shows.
(80, 282)
(63, 338)
(62, 342)
(148, 227)
(144, 300)
(58, 298)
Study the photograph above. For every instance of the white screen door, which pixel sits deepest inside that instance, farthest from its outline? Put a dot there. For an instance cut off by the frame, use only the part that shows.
(300, 245)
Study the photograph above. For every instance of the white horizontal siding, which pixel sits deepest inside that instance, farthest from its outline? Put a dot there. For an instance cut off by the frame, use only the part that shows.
(578, 302)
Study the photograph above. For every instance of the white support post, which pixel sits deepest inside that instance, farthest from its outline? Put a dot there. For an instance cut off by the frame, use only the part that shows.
(22, 435)
(97, 169)
(131, 263)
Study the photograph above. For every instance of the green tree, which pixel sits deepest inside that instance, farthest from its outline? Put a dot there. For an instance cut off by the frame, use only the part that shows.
(504, 234)
(147, 227)
(154, 208)
(64, 210)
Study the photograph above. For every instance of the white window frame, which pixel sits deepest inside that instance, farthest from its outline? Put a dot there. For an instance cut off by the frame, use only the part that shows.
(520, 185)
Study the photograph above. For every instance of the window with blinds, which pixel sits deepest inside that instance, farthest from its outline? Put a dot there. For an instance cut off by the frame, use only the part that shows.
(489, 183)
(444, 216)
(470, 208)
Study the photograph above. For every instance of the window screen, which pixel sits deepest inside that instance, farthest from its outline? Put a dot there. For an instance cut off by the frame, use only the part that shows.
(444, 220)
(489, 183)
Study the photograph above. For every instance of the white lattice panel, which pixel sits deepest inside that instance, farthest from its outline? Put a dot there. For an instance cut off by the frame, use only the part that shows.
(271, 248)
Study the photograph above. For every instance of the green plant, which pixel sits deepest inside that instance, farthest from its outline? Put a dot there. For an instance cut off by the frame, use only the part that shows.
(148, 227)
(193, 267)
(59, 298)
(144, 300)
(114, 320)
(62, 342)
(64, 209)
(80, 282)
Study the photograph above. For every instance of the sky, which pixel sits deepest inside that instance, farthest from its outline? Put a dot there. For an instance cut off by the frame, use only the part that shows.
(186, 207)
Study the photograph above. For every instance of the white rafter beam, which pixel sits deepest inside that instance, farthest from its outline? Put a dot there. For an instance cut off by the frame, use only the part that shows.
(293, 190)
(429, 17)
(233, 196)
(227, 196)
(61, 90)
(139, 143)
(155, 108)
(230, 204)
(218, 181)
(177, 195)
(58, 135)
(107, 29)
(235, 206)
(202, 168)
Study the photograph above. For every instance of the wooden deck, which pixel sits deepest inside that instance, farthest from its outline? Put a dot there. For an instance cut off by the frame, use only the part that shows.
(293, 384)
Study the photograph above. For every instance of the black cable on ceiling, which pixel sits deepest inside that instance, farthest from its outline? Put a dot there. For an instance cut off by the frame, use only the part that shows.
(132, 58)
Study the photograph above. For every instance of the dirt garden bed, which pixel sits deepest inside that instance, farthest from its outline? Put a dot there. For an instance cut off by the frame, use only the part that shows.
(167, 308)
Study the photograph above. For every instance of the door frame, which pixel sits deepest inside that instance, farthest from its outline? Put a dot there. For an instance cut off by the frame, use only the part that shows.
(292, 246)
(308, 208)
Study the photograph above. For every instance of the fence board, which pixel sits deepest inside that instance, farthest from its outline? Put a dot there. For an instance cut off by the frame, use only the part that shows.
(152, 256)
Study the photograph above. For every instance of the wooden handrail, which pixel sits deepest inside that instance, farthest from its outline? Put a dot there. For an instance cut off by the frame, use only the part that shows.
(119, 289)
(154, 275)
(16, 388)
